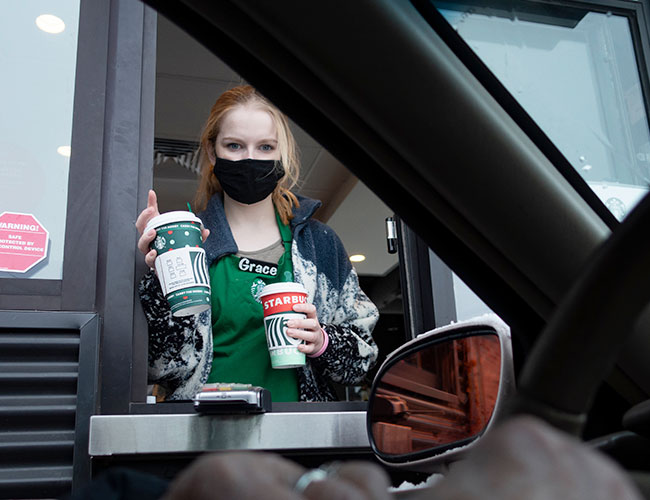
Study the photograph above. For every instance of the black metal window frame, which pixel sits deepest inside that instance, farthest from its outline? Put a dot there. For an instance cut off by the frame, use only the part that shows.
(126, 177)
(427, 284)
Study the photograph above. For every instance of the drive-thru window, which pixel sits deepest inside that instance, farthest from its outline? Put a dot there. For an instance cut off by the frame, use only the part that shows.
(104, 100)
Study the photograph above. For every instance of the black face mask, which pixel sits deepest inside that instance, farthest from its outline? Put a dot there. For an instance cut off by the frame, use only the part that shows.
(248, 181)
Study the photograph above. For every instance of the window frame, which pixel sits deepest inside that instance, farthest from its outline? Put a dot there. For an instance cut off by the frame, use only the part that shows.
(126, 177)
(76, 290)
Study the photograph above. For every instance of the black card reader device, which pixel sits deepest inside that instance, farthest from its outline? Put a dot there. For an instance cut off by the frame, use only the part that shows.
(223, 398)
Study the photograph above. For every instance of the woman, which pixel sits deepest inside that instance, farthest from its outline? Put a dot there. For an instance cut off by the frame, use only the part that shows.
(249, 164)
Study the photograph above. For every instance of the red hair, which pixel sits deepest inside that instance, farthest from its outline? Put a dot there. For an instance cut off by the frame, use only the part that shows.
(283, 199)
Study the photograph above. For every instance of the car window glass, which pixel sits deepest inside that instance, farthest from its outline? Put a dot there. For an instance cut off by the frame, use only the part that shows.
(575, 72)
(461, 303)
(468, 304)
(38, 54)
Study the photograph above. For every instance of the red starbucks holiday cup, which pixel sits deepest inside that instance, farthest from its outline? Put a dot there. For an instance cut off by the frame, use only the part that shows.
(278, 300)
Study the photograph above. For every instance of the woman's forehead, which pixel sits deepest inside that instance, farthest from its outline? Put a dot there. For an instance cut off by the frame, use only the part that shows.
(248, 121)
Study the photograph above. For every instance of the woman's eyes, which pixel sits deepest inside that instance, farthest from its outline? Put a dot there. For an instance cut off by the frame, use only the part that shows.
(234, 146)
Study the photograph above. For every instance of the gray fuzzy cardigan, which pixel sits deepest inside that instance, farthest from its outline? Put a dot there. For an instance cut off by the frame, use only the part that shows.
(180, 349)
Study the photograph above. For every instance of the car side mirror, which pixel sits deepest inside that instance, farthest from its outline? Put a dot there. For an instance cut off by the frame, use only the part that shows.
(436, 395)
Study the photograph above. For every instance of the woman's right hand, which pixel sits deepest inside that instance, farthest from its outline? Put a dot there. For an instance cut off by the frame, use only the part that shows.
(146, 238)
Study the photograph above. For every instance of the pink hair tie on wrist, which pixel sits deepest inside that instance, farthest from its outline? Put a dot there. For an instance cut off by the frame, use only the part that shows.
(326, 342)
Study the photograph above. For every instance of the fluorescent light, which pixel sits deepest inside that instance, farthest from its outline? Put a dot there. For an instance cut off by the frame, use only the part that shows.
(64, 151)
(50, 23)
(357, 258)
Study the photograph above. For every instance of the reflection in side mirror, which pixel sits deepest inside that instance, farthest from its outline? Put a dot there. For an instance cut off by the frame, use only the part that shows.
(441, 393)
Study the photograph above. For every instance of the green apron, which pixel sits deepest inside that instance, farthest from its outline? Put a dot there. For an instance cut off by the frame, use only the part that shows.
(240, 351)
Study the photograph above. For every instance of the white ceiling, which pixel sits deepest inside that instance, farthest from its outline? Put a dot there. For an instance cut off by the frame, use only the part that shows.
(188, 81)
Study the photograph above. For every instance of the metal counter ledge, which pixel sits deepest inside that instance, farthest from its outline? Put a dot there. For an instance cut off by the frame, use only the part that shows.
(160, 432)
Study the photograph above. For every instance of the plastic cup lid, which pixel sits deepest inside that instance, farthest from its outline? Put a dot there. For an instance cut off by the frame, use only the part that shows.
(172, 217)
(287, 286)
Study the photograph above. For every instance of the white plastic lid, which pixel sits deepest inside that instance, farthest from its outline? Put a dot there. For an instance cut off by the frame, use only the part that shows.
(172, 217)
(285, 286)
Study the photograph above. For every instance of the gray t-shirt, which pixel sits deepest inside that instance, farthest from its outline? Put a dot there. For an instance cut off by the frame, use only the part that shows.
(271, 254)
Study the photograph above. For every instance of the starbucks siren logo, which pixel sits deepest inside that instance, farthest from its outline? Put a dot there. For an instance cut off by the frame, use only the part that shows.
(256, 289)
(160, 242)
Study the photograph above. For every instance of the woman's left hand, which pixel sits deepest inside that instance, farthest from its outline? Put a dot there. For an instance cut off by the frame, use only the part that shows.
(307, 329)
